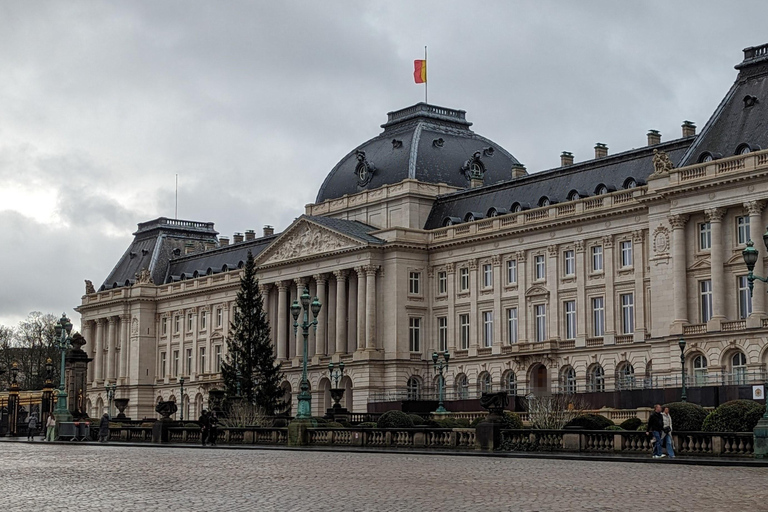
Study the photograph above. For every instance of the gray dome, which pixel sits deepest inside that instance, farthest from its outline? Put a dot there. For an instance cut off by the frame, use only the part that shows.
(424, 142)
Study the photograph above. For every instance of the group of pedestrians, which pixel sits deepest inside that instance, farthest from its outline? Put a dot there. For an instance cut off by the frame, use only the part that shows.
(33, 423)
(209, 427)
(660, 427)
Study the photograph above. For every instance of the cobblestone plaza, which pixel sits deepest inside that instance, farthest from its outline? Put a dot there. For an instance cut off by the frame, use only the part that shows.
(184, 479)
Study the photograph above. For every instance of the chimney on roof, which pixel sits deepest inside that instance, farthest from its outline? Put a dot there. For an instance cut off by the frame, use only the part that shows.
(189, 248)
(250, 235)
(601, 150)
(209, 245)
(654, 137)
(237, 238)
(689, 129)
(518, 170)
(223, 241)
(269, 230)
(566, 158)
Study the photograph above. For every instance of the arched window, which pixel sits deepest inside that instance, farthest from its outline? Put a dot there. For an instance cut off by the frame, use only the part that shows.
(484, 383)
(625, 376)
(414, 388)
(596, 379)
(462, 387)
(706, 157)
(509, 381)
(699, 370)
(568, 380)
(739, 368)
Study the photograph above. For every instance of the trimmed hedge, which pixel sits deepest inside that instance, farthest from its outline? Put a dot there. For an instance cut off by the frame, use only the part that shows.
(631, 424)
(395, 419)
(613, 427)
(734, 416)
(418, 421)
(686, 417)
(452, 423)
(333, 424)
(590, 422)
(367, 424)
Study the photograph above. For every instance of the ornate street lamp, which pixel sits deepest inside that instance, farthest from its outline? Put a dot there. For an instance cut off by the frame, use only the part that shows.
(13, 401)
(681, 343)
(305, 399)
(63, 342)
(751, 255)
(111, 396)
(441, 368)
(181, 392)
(47, 404)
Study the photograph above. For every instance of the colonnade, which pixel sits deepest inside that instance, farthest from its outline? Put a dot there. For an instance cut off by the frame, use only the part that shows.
(109, 350)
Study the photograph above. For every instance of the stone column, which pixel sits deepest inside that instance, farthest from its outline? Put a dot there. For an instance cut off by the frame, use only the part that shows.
(111, 348)
(322, 318)
(125, 346)
(300, 285)
(98, 355)
(341, 310)
(755, 209)
(330, 345)
(609, 264)
(498, 320)
(370, 307)
(639, 263)
(450, 271)
(582, 272)
(717, 274)
(282, 319)
(361, 313)
(475, 324)
(522, 303)
(352, 314)
(553, 283)
(264, 291)
(680, 286)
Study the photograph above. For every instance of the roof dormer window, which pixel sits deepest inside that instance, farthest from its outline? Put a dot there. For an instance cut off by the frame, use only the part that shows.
(574, 195)
(601, 190)
(544, 201)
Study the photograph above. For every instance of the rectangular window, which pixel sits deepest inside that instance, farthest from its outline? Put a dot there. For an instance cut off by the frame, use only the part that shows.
(705, 236)
(464, 279)
(414, 333)
(203, 320)
(217, 355)
(442, 283)
(162, 365)
(540, 312)
(176, 324)
(512, 272)
(190, 323)
(742, 229)
(512, 325)
(201, 362)
(487, 328)
(176, 363)
(487, 275)
(540, 268)
(219, 317)
(189, 361)
(626, 253)
(570, 319)
(569, 261)
(705, 289)
(164, 326)
(414, 280)
(597, 258)
(464, 330)
(442, 333)
(745, 301)
(627, 313)
(598, 316)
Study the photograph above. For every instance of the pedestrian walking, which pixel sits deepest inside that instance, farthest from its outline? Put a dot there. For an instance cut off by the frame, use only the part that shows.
(656, 428)
(204, 422)
(668, 442)
(32, 427)
(213, 428)
(104, 429)
(50, 427)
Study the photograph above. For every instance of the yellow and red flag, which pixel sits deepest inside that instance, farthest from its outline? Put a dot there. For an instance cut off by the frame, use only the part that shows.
(420, 71)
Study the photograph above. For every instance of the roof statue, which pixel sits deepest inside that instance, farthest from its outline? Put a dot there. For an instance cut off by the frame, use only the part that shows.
(144, 277)
(661, 164)
(89, 289)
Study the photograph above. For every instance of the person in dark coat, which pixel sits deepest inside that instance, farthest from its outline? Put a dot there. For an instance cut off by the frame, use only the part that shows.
(104, 428)
(656, 427)
(32, 427)
(204, 422)
(213, 428)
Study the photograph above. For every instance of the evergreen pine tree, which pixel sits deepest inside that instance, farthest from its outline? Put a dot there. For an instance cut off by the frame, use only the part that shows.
(249, 361)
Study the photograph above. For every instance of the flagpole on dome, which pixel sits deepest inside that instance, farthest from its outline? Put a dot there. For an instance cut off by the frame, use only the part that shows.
(425, 75)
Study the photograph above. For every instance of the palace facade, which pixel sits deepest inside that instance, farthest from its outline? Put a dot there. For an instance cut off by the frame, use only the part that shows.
(430, 237)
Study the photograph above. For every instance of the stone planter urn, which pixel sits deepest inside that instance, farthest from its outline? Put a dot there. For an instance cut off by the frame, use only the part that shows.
(337, 394)
(121, 404)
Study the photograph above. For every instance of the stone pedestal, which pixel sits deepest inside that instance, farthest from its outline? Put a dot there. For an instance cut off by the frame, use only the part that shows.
(488, 434)
(297, 432)
(761, 438)
(160, 430)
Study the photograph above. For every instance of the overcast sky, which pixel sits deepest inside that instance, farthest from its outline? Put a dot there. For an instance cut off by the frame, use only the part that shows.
(252, 104)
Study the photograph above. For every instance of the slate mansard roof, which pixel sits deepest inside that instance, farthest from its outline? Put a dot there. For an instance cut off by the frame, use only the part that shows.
(424, 142)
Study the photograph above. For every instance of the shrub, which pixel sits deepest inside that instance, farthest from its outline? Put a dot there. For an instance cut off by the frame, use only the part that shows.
(367, 424)
(453, 423)
(319, 421)
(187, 425)
(613, 427)
(590, 422)
(395, 419)
(734, 416)
(512, 421)
(686, 417)
(643, 427)
(417, 420)
(631, 424)
(333, 424)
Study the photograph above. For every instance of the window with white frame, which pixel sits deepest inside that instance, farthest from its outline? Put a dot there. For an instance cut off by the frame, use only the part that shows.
(700, 370)
(570, 319)
(462, 387)
(219, 317)
(176, 324)
(163, 369)
(463, 279)
(739, 368)
(597, 258)
(627, 313)
(164, 326)
(540, 314)
(742, 229)
(201, 361)
(705, 236)
(442, 283)
(203, 320)
(626, 377)
(569, 263)
(596, 379)
(414, 283)
(705, 300)
(190, 322)
(414, 388)
(540, 267)
(598, 316)
(414, 333)
(485, 383)
(464, 331)
(568, 380)
(442, 333)
(512, 325)
(189, 361)
(626, 253)
(511, 271)
(487, 328)
(745, 301)
(176, 363)
(510, 383)
(217, 357)
(487, 275)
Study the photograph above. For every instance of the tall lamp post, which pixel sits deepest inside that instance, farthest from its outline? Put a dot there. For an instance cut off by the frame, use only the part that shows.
(63, 342)
(181, 392)
(441, 367)
(47, 391)
(336, 374)
(751, 255)
(681, 343)
(305, 398)
(111, 396)
(13, 401)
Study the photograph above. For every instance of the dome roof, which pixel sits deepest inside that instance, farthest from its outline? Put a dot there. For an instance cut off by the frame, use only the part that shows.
(424, 142)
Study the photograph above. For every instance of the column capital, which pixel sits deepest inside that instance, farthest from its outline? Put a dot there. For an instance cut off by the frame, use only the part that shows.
(520, 256)
(341, 275)
(125, 317)
(320, 278)
(113, 319)
(472, 264)
(450, 268)
(101, 321)
(496, 260)
(300, 281)
(714, 214)
(282, 285)
(579, 245)
(608, 241)
(754, 207)
(678, 221)
(638, 235)
(552, 249)
(264, 288)
(360, 270)
(371, 270)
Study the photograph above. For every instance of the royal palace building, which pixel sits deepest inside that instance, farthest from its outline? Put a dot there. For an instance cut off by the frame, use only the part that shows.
(429, 237)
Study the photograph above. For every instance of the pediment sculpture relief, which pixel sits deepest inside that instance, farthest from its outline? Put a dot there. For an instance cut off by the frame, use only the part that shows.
(306, 240)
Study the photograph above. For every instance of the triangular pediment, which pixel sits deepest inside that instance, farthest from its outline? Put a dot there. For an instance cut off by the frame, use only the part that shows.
(702, 263)
(305, 239)
(536, 289)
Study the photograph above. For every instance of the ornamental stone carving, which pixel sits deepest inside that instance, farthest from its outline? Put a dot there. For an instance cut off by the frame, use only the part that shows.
(135, 327)
(678, 221)
(496, 260)
(714, 214)
(579, 245)
(661, 164)
(450, 268)
(608, 241)
(660, 240)
(552, 250)
(321, 278)
(754, 207)
(520, 255)
(637, 236)
(89, 289)
(306, 240)
(472, 264)
(144, 277)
